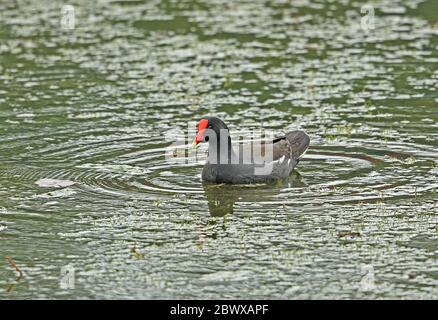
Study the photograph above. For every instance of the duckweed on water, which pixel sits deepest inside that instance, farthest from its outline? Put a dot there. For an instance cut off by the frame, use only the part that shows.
(84, 180)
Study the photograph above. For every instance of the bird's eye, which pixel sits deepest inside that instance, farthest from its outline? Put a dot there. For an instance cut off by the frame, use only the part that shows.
(206, 139)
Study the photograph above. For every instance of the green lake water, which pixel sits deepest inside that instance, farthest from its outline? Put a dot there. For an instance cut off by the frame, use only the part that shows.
(86, 115)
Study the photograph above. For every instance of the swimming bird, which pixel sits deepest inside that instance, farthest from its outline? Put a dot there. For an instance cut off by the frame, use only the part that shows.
(254, 162)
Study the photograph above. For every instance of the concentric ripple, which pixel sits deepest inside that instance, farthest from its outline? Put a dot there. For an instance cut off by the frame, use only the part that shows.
(87, 117)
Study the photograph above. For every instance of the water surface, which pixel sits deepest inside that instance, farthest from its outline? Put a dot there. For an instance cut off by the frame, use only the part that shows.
(84, 181)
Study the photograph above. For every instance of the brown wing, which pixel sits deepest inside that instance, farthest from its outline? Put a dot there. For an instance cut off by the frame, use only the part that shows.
(292, 146)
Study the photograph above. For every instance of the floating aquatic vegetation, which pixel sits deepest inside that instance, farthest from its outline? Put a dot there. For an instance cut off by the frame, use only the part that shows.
(83, 174)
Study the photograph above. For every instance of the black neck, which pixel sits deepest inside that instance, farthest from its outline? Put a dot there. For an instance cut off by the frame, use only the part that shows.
(214, 149)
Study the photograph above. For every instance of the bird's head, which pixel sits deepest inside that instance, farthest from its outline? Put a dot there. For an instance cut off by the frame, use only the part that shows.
(209, 129)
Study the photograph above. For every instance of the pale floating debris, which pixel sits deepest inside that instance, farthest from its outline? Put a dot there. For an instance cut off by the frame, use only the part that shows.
(25, 115)
(51, 203)
(57, 194)
(226, 276)
(54, 183)
(293, 290)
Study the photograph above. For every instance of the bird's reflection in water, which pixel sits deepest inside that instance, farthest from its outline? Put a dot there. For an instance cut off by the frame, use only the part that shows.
(222, 197)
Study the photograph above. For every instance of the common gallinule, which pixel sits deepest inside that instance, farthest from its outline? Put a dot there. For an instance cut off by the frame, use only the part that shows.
(255, 162)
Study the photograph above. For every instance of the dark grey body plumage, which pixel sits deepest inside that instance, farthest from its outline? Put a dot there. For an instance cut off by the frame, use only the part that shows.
(286, 151)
